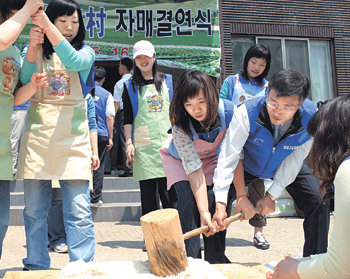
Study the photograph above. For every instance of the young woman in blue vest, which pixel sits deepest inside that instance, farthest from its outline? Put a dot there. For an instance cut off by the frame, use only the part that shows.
(251, 81)
(199, 121)
(56, 143)
(14, 15)
(146, 98)
(330, 159)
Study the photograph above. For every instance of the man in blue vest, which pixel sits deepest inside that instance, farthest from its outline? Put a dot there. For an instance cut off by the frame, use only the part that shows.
(105, 112)
(269, 136)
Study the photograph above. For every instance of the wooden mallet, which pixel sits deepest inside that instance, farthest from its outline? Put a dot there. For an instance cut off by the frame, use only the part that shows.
(165, 242)
(39, 57)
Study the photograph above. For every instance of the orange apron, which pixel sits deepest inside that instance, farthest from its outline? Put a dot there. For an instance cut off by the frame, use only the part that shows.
(207, 153)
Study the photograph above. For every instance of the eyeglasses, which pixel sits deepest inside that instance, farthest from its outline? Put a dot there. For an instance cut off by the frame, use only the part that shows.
(289, 109)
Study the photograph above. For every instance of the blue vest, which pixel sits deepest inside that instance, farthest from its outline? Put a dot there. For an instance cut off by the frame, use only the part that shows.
(239, 88)
(133, 92)
(101, 97)
(261, 157)
(89, 84)
(225, 113)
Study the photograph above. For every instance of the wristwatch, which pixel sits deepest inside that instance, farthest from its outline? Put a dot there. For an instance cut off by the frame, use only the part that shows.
(273, 198)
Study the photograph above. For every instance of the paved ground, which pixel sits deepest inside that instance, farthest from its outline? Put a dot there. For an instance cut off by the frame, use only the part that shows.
(123, 242)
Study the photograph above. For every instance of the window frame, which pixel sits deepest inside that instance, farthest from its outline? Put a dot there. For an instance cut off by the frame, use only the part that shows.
(331, 71)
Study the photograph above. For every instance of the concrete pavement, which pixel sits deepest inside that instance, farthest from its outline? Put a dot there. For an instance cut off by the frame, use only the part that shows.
(123, 242)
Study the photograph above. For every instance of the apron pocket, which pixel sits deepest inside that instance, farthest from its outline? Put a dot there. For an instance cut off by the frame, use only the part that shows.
(33, 121)
(78, 120)
(141, 136)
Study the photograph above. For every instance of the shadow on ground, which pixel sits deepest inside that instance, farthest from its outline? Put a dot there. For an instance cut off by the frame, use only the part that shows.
(124, 244)
(234, 242)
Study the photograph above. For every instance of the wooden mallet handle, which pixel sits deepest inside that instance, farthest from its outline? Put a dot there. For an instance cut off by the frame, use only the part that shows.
(39, 57)
(204, 229)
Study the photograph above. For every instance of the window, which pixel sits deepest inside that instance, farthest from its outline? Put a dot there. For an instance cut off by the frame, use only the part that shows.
(321, 71)
(309, 57)
(275, 47)
(239, 49)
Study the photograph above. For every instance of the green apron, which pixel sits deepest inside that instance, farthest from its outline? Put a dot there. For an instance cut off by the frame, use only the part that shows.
(56, 143)
(9, 75)
(150, 132)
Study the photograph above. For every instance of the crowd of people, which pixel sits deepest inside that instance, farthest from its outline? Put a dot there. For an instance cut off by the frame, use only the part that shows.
(190, 146)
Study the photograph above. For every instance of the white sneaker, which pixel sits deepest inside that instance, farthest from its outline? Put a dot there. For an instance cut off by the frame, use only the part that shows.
(96, 204)
(260, 241)
(60, 248)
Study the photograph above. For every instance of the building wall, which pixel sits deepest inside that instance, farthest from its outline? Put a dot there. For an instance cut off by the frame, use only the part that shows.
(289, 18)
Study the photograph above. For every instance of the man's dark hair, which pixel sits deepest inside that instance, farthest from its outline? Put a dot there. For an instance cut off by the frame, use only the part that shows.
(100, 73)
(288, 83)
(127, 62)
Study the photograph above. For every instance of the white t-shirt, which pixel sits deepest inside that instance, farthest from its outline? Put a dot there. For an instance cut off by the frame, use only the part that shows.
(118, 89)
(334, 263)
(110, 109)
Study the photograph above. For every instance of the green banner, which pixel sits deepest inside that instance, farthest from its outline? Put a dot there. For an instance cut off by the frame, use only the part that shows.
(184, 33)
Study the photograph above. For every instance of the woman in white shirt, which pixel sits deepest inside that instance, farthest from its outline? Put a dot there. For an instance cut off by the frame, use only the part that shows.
(330, 159)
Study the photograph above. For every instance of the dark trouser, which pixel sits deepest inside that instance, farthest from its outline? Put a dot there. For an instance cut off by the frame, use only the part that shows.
(99, 173)
(153, 190)
(215, 245)
(305, 193)
(119, 142)
(55, 224)
(256, 191)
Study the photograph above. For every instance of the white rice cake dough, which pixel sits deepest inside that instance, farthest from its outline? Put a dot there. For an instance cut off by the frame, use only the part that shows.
(237, 271)
(129, 270)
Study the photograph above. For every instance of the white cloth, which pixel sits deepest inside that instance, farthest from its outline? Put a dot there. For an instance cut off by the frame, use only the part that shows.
(231, 148)
(118, 90)
(110, 109)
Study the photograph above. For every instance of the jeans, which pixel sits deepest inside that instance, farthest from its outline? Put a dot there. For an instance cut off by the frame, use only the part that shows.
(4, 209)
(57, 233)
(215, 245)
(76, 215)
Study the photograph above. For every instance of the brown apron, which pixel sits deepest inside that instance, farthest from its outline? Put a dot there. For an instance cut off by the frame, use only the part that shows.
(56, 143)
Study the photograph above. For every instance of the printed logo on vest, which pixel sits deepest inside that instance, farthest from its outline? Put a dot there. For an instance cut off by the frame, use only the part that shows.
(258, 141)
(290, 147)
